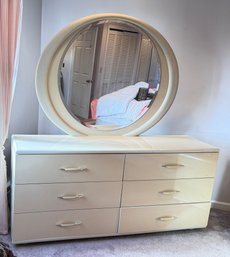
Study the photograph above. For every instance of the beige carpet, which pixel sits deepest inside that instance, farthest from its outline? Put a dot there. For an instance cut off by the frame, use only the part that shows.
(214, 241)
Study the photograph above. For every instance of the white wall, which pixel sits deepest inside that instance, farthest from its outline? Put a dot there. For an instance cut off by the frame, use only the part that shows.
(24, 115)
(199, 33)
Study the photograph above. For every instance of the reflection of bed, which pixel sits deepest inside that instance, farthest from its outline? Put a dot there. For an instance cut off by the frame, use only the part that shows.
(120, 108)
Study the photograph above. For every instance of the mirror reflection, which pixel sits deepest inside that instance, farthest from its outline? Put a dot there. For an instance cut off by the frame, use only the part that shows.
(110, 75)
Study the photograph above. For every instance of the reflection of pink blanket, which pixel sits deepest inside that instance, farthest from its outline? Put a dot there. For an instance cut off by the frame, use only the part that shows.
(93, 106)
(144, 110)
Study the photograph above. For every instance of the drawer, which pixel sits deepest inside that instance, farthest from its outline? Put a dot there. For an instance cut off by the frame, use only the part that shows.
(163, 218)
(170, 166)
(68, 168)
(46, 226)
(48, 197)
(136, 193)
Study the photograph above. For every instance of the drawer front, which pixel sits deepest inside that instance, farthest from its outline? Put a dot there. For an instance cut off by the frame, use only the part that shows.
(68, 168)
(169, 166)
(137, 193)
(163, 218)
(48, 197)
(44, 226)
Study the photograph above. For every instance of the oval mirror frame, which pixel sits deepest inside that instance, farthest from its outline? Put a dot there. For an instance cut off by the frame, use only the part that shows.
(47, 79)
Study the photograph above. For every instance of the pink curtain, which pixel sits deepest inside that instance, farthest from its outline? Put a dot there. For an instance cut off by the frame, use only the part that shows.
(9, 26)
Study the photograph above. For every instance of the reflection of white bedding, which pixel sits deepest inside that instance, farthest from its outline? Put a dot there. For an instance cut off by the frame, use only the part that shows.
(134, 109)
(120, 108)
(118, 102)
(133, 112)
(111, 120)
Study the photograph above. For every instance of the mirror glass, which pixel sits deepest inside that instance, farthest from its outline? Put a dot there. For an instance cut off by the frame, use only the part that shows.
(109, 75)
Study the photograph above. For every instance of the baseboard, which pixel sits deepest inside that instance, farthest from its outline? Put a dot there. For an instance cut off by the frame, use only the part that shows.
(221, 205)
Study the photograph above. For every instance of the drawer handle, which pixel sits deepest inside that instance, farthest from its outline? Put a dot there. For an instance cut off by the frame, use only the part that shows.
(167, 218)
(172, 166)
(169, 192)
(74, 169)
(70, 197)
(72, 224)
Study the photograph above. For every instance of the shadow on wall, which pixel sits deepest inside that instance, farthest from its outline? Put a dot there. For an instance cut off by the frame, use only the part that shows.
(200, 83)
(198, 45)
(224, 195)
(7, 153)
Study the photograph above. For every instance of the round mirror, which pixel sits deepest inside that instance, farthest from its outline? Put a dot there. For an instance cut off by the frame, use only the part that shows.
(107, 74)
(110, 75)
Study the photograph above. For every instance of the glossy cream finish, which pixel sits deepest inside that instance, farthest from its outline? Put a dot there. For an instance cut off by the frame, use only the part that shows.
(44, 226)
(68, 168)
(47, 79)
(163, 218)
(170, 166)
(57, 144)
(119, 187)
(66, 196)
(137, 193)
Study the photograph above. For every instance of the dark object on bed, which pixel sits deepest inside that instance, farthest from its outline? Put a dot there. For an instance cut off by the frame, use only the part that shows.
(150, 96)
(142, 94)
(5, 250)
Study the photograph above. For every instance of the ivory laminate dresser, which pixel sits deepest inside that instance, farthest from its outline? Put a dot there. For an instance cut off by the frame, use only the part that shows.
(65, 187)
(106, 179)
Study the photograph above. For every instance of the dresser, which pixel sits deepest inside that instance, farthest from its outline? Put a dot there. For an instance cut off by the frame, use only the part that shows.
(67, 187)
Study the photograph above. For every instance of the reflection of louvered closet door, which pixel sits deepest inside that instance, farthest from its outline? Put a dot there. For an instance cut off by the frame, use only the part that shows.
(120, 60)
(144, 61)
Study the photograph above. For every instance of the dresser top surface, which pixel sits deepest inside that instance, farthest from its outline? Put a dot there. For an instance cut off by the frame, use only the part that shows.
(56, 144)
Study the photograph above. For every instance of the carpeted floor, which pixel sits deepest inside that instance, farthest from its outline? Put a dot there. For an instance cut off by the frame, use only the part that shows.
(213, 241)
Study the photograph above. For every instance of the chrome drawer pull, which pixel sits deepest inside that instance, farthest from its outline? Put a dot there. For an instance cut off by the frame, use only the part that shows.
(172, 166)
(74, 169)
(63, 225)
(167, 218)
(169, 192)
(70, 197)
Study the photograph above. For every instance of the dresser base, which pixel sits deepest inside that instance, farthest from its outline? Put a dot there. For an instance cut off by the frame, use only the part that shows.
(71, 188)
